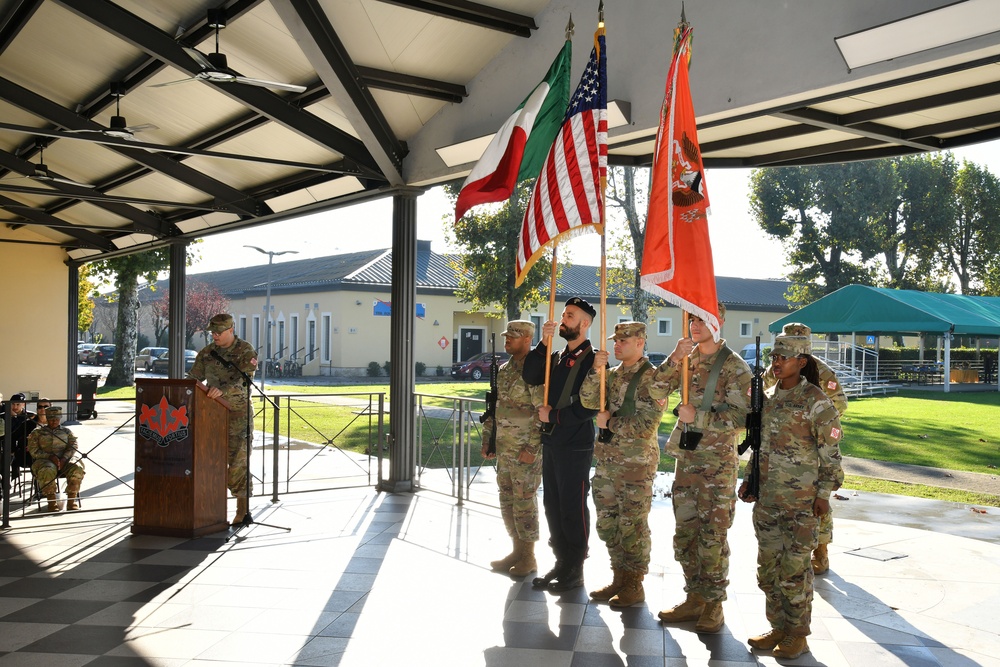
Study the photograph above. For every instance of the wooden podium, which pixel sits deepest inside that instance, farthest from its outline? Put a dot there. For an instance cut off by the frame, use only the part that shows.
(181, 446)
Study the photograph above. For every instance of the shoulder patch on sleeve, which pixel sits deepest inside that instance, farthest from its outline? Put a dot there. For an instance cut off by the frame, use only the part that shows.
(831, 385)
(835, 432)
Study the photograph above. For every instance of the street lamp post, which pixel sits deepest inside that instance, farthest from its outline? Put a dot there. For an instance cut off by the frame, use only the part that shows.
(267, 304)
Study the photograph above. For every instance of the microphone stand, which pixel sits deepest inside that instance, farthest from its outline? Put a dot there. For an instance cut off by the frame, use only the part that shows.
(247, 519)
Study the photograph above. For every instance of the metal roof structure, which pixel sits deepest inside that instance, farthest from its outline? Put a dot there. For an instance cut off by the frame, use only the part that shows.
(322, 103)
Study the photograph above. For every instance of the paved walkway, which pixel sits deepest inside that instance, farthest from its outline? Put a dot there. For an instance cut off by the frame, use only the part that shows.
(911, 474)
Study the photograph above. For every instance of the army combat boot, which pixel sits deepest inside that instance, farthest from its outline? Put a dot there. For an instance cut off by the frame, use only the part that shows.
(768, 640)
(242, 509)
(820, 560)
(505, 563)
(73, 494)
(631, 592)
(556, 571)
(689, 610)
(791, 648)
(526, 559)
(711, 619)
(609, 591)
(50, 495)
(571, 577)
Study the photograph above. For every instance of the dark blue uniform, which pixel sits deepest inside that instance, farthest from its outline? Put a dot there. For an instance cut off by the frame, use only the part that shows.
(568, 451)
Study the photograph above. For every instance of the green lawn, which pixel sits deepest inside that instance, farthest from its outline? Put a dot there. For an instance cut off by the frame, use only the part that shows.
(958, 431)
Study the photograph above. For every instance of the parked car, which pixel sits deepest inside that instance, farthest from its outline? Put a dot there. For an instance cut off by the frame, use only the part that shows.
(749, 353)
(82, 350)
(656, 358)
(100, 355)
(161, 364)
(147, 356)
(477, 366)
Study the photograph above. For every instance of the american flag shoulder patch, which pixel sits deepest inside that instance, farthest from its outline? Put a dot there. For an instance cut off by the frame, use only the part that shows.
(831, 385)
(835, 432)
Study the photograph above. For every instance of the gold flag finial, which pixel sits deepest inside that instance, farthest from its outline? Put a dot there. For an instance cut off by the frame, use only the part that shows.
(600, 14)
(684, 21)
(570, 28)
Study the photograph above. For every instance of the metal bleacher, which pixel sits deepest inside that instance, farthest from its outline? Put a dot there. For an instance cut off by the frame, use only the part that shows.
(856, 367)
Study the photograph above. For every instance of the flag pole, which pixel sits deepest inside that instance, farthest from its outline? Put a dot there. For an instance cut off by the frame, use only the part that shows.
(552, 316)
(604, 263)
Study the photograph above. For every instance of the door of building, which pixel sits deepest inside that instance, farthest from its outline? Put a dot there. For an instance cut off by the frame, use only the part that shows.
(470, 341)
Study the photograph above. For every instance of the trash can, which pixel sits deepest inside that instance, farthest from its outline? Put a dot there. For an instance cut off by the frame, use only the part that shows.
(86, 385)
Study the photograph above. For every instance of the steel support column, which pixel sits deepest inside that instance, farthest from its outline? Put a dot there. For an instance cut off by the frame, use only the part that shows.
(178, 310)
(402, 459)
(72, 335)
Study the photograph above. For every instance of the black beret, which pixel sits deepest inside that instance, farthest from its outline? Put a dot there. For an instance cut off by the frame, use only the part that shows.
(583, 305)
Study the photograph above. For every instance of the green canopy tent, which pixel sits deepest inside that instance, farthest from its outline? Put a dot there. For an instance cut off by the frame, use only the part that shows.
(860, 309)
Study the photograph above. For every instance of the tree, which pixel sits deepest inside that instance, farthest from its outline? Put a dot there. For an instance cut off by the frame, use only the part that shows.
(625, 267)
(915, 222)
(487, 239)
(970, 246)
(202, 302)
(85, 302)
(124, 273)
(159, 311)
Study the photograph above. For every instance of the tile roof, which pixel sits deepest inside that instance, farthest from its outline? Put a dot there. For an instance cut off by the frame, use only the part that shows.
(434, 271)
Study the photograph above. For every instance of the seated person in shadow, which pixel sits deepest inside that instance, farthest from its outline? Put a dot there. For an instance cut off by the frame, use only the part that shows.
(54, 450)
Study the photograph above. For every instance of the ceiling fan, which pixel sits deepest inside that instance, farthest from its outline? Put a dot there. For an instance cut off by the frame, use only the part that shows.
(215, 67)
(118, 128)
(41, 173)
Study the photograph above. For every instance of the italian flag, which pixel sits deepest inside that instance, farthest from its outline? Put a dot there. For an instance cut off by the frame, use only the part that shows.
(519, 147)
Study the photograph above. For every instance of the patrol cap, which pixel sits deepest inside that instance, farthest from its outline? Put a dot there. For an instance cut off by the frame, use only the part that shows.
(583, 305)
(220, 323)
(53, 411)
(625, 330)
(796, 329)
(519, 329)
(791, 346)
(18, 398)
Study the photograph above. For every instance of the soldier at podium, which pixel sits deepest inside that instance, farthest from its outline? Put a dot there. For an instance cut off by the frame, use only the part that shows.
(221, 365)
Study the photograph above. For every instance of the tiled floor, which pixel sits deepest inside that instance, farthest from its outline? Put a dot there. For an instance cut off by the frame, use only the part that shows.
(374, 579)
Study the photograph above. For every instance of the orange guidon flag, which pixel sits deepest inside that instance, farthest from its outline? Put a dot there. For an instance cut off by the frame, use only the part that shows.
(677, 255)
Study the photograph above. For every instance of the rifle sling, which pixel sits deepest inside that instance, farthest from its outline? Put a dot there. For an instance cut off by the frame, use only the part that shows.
(713, 378)
(628, 403)
(566, 397)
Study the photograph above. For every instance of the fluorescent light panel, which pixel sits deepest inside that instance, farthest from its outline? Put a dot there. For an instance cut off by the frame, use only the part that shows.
(938, 27)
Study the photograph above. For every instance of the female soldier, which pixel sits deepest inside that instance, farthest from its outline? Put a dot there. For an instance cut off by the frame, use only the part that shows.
(799, 469)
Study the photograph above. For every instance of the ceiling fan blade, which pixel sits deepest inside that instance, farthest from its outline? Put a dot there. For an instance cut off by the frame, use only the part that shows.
(199, 57)
(58, 179)
(82, 131)
(141, 128)
(173, 83)
(261, 83)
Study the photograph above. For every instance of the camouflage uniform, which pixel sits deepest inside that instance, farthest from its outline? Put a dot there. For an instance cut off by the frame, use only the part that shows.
(217, 374)
(60, 442)
(517, 416)
(830, 385)
(704, 490)
(623, 481)
(800, 462)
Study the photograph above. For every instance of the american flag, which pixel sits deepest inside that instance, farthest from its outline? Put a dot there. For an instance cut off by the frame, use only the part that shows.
(568, 196)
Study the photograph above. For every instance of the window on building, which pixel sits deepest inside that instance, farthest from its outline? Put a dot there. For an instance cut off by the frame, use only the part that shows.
(282, 349)
(664, 326)
(327, 343)
(293, 342)
(311, 340)
(746, 329)
(256, 332)
(243, 327)
(538, 321)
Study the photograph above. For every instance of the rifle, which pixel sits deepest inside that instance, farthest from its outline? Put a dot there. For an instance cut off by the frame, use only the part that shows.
(491, 398)
(753, 425)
